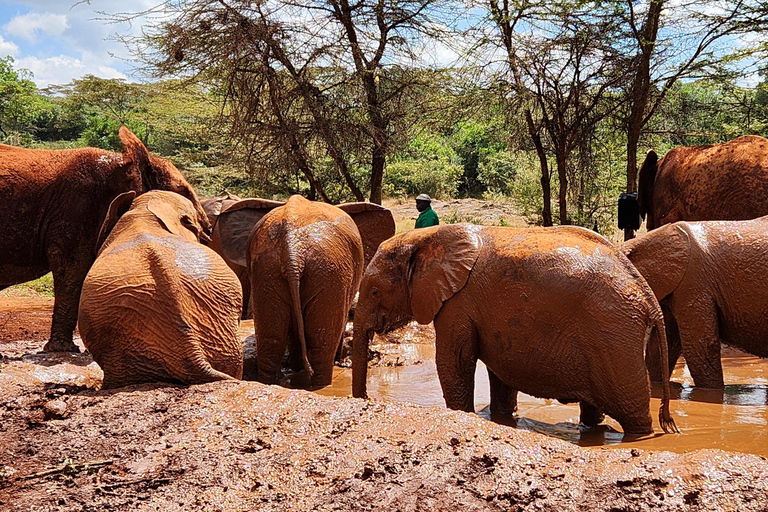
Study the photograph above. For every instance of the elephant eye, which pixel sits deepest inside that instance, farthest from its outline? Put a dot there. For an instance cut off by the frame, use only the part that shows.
(375, 292)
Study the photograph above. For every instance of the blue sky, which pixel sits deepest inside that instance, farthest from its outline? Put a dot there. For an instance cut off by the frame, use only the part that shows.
(59, 40)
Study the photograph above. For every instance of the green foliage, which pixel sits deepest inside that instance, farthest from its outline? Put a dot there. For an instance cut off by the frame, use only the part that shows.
(21, 107)
(429, 166)
(475, 142)
(41, 286)
(498, 170)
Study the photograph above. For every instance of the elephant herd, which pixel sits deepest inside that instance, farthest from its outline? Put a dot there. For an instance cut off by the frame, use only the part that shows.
(159, 280)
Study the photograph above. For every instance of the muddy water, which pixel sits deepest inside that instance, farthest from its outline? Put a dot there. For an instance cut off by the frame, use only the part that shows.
(735, 419)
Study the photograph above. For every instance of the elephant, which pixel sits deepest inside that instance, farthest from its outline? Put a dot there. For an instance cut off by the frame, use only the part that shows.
(553, 312)
(719, 182)
(52, 204)
(157, 305)
(708, 277)
(237, 226)
(304, 260)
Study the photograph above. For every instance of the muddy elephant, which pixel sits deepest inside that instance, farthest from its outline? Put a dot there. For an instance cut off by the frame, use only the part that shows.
(719, 182)
(157, 305)
(710, 280)
(304, 260)
(52, 204)
(553, 312)
(236, 226)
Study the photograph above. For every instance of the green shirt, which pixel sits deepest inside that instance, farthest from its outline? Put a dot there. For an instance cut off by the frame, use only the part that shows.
(427, 218)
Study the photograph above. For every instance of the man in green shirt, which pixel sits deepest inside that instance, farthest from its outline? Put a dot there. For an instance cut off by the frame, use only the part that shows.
(427, 216)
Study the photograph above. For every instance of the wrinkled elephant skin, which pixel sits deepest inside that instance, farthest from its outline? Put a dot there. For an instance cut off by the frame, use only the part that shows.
(710, 280)
(553, 312)
(52, 204)
(719, 182)
(157, 305)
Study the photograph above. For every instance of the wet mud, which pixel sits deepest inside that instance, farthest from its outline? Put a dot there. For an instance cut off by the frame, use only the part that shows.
(231, 446)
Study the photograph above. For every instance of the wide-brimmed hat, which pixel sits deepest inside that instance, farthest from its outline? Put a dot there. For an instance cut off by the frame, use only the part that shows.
(424, 197)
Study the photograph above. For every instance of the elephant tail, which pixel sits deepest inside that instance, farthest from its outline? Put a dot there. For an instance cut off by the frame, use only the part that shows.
(294, 277)
(660, 337)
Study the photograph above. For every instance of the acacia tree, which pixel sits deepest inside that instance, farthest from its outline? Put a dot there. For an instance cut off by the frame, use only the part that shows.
(564, 71)
(301, 78)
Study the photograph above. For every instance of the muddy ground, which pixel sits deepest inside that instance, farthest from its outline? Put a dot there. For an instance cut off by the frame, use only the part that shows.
(66, 445)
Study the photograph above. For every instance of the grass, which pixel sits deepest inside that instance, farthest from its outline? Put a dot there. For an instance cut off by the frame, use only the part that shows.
(42, 286)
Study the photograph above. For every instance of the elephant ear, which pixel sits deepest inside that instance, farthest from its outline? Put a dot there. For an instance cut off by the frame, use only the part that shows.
(170, 217)
(117, 208)
(374, 222)
(645, 180)
(661, 256)
(236, 223)
(136, 156)
(440, 265)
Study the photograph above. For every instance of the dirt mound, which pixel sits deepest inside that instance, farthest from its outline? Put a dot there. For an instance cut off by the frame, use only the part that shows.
(243, 445)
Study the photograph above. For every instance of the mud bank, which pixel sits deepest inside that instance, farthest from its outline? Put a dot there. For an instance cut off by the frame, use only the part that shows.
(245, 446)
(242, 445)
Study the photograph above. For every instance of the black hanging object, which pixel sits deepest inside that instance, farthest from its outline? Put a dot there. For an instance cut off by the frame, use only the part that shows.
(629, 211)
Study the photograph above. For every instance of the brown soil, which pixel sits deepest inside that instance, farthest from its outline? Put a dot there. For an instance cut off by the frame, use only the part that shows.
(246, 446)
(471, 210)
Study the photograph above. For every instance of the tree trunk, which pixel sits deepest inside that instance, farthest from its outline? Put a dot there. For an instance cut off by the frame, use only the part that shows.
(546, 211)
(378, 162)
(563, 197)
(639, 94)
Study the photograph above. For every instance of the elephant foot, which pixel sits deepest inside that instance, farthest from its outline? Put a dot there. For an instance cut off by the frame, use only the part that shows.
(709, 383)
(590, 416)
(59, 345)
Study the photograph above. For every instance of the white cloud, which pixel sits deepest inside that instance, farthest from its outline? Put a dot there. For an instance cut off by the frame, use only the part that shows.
(8, 48)
(63, 69)
(27, 25)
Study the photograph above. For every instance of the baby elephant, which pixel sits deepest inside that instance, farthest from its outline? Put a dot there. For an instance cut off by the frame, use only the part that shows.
(710, 280)
(157, 305)
(553, 312)
(304, 260)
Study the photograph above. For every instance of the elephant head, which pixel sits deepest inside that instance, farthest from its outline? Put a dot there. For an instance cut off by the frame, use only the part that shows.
(175, 213)
(375, 224)
(214, 206)
(661, 256)
(151, 172)
(234, 226)
(410, 277)
(645, 181)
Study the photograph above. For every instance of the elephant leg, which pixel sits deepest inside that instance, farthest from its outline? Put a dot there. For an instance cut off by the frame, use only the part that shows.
(590, 415)
(456, 359)
(675, 349)
(503, 397)
(272, 320)
(324, 328)
(67, 285)
(700, 341)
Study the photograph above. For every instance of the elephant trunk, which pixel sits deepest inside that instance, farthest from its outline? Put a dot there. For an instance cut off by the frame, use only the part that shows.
(361, 338)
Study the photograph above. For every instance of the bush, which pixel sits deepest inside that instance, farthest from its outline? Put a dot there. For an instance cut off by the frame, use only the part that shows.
(437, 177)
(497, 171)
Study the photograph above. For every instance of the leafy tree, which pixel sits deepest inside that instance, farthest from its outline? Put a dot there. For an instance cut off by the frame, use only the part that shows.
(21, 107)
(301, 79)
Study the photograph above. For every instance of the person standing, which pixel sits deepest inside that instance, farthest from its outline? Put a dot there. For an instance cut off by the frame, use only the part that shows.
(427, 216)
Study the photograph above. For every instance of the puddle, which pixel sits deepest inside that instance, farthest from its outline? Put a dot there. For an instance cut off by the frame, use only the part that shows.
(734, 419)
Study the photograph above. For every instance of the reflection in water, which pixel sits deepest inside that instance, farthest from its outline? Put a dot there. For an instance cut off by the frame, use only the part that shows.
(730, 419)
